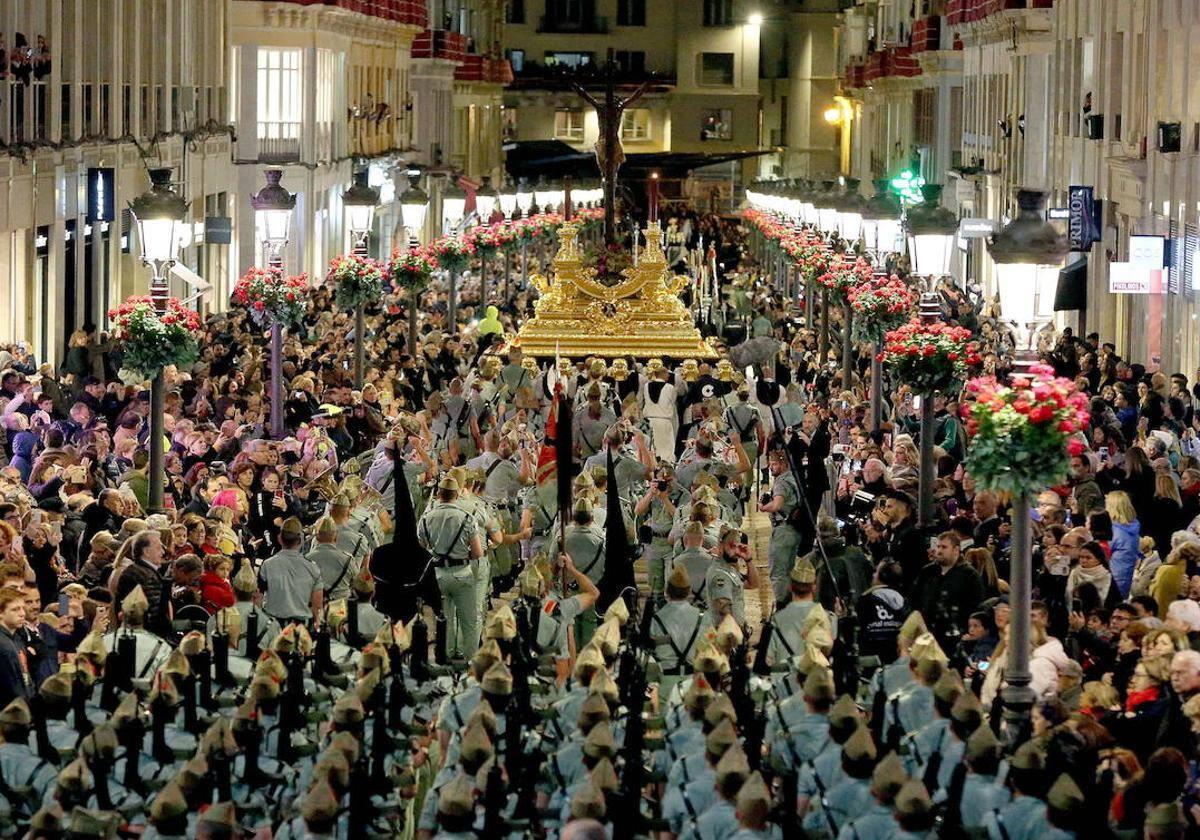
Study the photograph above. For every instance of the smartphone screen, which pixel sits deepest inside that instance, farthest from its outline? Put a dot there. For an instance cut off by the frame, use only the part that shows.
(64, 604)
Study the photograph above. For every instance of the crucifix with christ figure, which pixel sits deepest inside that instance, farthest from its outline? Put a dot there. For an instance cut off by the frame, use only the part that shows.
(609, 154)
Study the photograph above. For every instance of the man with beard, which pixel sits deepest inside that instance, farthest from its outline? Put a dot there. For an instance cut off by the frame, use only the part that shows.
(896, 512)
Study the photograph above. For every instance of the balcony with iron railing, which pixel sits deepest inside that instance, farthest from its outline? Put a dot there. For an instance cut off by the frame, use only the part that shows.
(278, 142)
(969, 11)
(440, 43)
(595, 25)
(411, 12)
(534, 75)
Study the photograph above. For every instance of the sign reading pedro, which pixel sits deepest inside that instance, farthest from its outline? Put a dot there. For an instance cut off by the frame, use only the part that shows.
(1083, 226)
(100, 204)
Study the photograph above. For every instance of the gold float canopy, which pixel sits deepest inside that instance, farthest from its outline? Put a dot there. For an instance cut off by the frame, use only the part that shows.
(576, 316)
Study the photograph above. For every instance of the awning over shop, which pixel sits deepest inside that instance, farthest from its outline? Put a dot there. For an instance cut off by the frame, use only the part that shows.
(1071, 293)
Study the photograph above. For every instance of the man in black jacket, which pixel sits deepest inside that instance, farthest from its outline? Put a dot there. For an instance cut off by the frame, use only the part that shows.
(14, 674)
(1175, 729)
(896, 511)
(946, 592)
(808, 449)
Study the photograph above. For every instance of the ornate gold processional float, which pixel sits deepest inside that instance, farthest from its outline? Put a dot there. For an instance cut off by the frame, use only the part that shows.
(640, 316)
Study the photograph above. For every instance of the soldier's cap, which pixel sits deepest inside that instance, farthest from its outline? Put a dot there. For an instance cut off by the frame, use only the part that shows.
(912, 799)
(603, 685)
(983, 743)
(588, 802)
(1166, 815)
(93, 648)
(501, 624)
(827, 527)
(57, 686)
(363, 583)
(101, 742)
(222, 814)
(699, 694)
(245, 581)
(476, 746)
(860, 746)
(617, 610)
(593, 710)
(710, 660)
(912, 628)
(888, 777)
(374, 658)
(817, 619)
(603, 775)
(679, 585)
(291, 528)
(270, 665)
(947, 688)
(819, 687)
(333, 766)
(753, 800)
(843, 712)
(967, 709)
(608, 638)
(599, 741)
(1065, 795)
(364, 690)
(487, 654)
(85, 822)
(176, 665)
(721, 737)
(164, 695)
(728, 634)
(192, 773)
(818, 635)
(347, 745)
(483, 715)
(721, 708)
(126, 712)
(47, 821)
(809, 659)
(320, 804)
(733, 764)
(457, 797)
(498, 680)
(75, 776)
(326, 527)
(531, 582)
(192, 643)
(134, 605)
(590, 658)
(16, 713)
(449, 482)
(348, 709)
(803, 571)
(583, 505)
(1028, 757)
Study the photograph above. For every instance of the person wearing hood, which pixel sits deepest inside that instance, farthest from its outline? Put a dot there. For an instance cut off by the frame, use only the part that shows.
(490, 329)
(24, 444)
(1126, 533)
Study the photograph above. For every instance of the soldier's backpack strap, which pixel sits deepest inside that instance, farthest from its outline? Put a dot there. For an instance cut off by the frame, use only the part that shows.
(933, 766)
(595, 559)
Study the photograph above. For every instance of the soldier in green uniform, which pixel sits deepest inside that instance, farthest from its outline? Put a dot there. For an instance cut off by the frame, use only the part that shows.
(245, 587)
(1023, 818)
(502, 484)
(591, 423)
(850, 796)
(743, 420)
(876, 821)
(785, 539)
(337, 566)
(583, 542)
(914, 812)
(789, 624)
(731, 571)
(977, 786)
(753, 810)
(696, 558)
(675, 629)
(656, 509)
(150, 650)
(447, 532)
(720, 819)
(912, 706)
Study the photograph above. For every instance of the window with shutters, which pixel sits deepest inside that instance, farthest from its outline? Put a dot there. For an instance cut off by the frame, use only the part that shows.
(635, 124)
(568, 124)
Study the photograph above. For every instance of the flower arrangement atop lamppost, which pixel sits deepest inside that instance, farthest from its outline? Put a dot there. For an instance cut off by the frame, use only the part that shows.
(152, 340)
(843, 273)
(271, 298)
(930, 357)
(453, 253)
(411, 269)
(882, 304)
(357, 280)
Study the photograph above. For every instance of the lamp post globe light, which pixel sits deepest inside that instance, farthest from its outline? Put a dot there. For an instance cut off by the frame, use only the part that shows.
(827, 212)
(508, 198)
(360, 200)
(273, 206)
(543, 195)
(1028, 253)
(524, 197)
(454, 207)
(880, 232)
(486, 198)
(849, 206)
(931, 232)
(159, 214)
(414, 203)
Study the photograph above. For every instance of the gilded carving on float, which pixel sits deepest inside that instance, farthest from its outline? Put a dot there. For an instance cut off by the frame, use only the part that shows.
(641, 315)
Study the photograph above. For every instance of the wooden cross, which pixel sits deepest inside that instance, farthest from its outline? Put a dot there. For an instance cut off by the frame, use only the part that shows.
(609, 154)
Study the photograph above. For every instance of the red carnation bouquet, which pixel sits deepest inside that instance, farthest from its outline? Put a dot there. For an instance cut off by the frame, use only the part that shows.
(880, 305)
(485, 240)
(359, 280)
(507, 237)
(270, 297)
(843, 273)
(931, 358)
(411, 268)
(151, 341)
(1021, 433)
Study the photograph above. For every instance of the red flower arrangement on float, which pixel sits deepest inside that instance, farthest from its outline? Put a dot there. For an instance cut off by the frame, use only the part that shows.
(359, 280)
(151, 341)
(1022, 434)
(881, 304)
(411, 268)
(270, 297)
(844, 272)
(931, 358)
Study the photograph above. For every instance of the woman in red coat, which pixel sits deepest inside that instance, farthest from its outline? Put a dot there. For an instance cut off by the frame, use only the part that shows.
(216, 593)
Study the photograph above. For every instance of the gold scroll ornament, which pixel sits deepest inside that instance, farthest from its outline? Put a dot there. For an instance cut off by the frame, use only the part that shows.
(641, 316)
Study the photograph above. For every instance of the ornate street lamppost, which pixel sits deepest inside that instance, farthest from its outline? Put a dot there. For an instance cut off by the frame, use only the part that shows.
(1028, 253)
(931, 232)
(454, 204)
(159, 214)
(360, 201)
(880, 232)
(508, 199)
(486, 199)
(849, 208)
(414, 203)
(273, 206)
